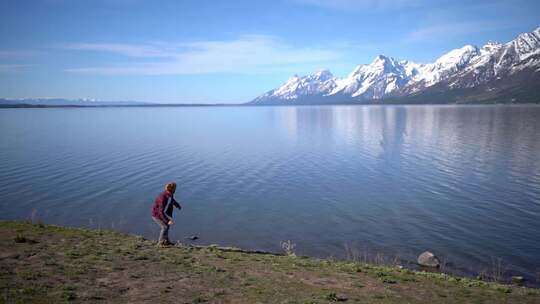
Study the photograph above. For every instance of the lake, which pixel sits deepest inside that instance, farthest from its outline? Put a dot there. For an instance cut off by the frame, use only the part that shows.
(460, 181)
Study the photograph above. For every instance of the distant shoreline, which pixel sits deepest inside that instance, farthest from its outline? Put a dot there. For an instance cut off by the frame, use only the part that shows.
(117, 106)
(26, 106)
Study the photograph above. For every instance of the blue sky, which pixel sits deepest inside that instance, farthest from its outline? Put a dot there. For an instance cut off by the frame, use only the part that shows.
(226, 51)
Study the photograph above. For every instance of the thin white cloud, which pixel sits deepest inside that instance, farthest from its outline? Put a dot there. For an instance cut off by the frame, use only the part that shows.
(248, 54)
(443, 31)
(17, 54)
(130, 50)
(13, 67)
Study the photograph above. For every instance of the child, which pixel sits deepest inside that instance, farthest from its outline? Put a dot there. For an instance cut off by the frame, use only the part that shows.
(162, 212)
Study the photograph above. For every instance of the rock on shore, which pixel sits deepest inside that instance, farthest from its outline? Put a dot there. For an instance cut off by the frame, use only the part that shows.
(428, 259)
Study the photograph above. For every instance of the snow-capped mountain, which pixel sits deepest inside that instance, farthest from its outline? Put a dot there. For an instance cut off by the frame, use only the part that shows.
(311, 85)
(492, 71)
(383, 76)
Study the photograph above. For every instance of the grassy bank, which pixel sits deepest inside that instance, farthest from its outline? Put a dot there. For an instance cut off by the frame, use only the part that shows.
(51, 264)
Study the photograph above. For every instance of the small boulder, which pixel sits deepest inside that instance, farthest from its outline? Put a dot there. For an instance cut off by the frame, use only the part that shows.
(518, 280)
(428, 259)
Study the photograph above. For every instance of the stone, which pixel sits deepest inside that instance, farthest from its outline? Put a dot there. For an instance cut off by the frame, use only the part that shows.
(517, 279)
(428, 259)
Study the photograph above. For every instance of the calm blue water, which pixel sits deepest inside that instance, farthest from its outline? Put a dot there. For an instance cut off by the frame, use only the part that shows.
(461, 181)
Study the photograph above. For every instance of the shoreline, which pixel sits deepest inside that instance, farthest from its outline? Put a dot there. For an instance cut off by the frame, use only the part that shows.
(219, 105)
(57, 264)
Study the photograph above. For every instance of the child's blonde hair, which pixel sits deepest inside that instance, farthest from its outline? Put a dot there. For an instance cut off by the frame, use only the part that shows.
(170, 186)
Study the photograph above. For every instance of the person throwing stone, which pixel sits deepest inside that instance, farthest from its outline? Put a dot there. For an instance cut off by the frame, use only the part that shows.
(162, 211)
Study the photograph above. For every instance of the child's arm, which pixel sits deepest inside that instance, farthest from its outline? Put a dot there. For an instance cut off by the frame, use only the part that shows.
(176, 204)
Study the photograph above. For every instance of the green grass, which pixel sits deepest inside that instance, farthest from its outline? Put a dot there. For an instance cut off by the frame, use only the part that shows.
(66, 265)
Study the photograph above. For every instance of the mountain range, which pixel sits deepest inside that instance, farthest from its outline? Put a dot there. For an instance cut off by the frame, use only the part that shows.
(494, 73)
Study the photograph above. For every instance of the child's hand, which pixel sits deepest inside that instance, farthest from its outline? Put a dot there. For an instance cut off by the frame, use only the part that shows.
(171, 222)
